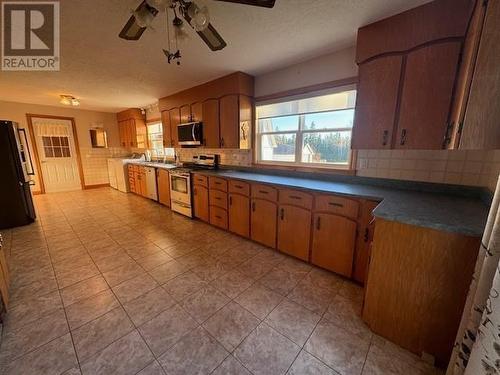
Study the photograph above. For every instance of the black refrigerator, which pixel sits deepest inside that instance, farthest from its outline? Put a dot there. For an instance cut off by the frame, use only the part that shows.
(16, 169)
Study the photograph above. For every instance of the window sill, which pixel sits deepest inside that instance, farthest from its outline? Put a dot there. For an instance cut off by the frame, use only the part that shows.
(334, 169)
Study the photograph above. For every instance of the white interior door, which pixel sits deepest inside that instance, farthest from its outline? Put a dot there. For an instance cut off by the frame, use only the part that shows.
(57, 153)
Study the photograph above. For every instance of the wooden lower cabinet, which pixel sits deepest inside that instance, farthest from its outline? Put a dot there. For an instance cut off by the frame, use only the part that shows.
(366, 225)
(163, 181)
(294, 231)
(218, 217)
(263, 223)
(239, 214)
(142, 181)
(333, 243)
(200, 202)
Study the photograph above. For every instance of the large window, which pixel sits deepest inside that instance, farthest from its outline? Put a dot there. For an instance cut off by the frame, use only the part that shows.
(307, 131)
(155, 138)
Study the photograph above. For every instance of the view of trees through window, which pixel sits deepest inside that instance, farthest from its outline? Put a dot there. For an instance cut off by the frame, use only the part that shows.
(288, 133)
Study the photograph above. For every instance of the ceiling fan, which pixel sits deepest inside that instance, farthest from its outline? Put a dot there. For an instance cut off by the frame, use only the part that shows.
(198, 18)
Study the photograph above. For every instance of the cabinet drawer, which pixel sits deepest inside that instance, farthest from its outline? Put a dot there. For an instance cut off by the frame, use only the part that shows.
(200, 180)
(239, 187)
(218, 183)
(337, 205)
(218, 217)
(264, 192)
(218, 198)
(296, 198)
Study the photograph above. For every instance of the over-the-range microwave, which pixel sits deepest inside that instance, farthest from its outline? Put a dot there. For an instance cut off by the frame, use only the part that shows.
(190, 134)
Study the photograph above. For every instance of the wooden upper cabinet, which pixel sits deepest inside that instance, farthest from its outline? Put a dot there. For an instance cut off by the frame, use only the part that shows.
(239, 214)
(132, 128)
(163, 180)
(211, 123)
(430, 22)
(334, 240)
(294, 230)
(427, 96)
(185, 113)
(229, 121)
(481, 129)
(197, 111)
(167, 129)
(376, 103)
(175, 120)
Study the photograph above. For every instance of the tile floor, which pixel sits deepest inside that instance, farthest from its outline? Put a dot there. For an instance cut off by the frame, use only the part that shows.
(110, 283)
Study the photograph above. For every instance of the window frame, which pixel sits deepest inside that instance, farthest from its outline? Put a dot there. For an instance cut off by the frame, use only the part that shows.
(299, 133)
(149, 140)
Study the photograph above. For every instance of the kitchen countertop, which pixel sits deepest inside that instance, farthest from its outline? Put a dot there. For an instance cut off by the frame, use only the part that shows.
(437, 210)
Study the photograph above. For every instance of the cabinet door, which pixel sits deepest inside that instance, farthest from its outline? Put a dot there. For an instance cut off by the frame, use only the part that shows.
(333, 242)
(185, 113)
(163, 180)
(239, 214)
(229, 121)
(132, 135)
(137, 182)
(363, 241)
(294, 231)
(200, 201)
(376, 103)
(426, 98)
(263, 222)
(122, 133)
(167, 129)
(211, 123)
(197, 111)
(175, 120)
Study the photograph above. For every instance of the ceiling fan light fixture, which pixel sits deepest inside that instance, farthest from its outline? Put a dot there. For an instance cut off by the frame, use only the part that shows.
(143, 17)
(200, 18)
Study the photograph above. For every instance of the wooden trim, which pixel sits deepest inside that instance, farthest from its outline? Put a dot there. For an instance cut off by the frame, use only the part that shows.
(38, 192)
(308, 89)
(29, 117)
(97, 186)
(151, 120)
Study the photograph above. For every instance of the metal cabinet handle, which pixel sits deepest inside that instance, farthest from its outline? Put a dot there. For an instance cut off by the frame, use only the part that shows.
(263, 192)
(385, 137)
(238, 186)
(253, 206)
(282, 214)
(318, 223)
(222, 142)
(335, 204)
(403, 137)
(230, 201)
(295, 197)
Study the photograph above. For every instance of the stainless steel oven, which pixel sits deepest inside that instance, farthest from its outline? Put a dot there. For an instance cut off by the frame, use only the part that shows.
(180, 191)
(190, 134)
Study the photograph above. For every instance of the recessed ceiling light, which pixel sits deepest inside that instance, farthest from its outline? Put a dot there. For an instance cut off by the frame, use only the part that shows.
(69, 100)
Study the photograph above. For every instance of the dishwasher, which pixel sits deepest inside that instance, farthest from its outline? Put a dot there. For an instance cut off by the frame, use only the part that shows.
(151, 188)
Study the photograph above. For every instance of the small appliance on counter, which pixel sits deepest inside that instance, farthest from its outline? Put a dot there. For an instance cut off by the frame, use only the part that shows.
(180, 182)
(190, 134)
(16, 169)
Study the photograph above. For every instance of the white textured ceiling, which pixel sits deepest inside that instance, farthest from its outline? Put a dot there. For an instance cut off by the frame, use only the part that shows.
(109, 74)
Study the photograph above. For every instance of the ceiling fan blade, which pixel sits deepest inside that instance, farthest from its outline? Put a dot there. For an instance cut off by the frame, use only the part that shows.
(257, 3)
(132, 29)
(212, 38)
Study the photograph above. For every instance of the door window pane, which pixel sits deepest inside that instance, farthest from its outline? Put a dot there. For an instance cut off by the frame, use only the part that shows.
(326, 147)
(278, 147)
(56, 147)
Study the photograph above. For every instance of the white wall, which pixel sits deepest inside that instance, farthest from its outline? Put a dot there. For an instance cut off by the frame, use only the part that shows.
(331, 67)
(93, 160)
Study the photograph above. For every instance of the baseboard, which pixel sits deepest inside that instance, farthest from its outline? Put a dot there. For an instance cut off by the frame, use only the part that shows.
(87, 187)
(36, 192)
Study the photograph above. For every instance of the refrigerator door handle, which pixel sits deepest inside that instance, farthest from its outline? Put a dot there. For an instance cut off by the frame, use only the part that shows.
(30, 171)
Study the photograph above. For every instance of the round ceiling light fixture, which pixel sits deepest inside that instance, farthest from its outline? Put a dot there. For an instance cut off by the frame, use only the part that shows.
(69, 100)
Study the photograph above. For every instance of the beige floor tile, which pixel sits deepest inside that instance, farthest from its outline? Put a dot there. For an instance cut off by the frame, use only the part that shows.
(231, 366)
(346, 313)
(212, 270)
(137, 251)
(114, 261)
(133, 288)
(152, 369)
(90, 308)
(293, 321)
(83, 289)
(338, 348)
(230, 325)
(78, 274)
(148, 305)
(259, 300)
(168, 271)
(306, 364)
(164, 330)
(232, 283)
(123, 273)
(184, 285)
(195, 353)
(266, 351)
(204, 303)
(312, 297)
(154, 260)
(280, 281)
(99, 333)
(70, 264)
(125, 356)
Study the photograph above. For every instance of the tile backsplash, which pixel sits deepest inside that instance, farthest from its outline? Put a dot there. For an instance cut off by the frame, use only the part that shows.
(233, 157)
(95, 164)
(474, 168)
